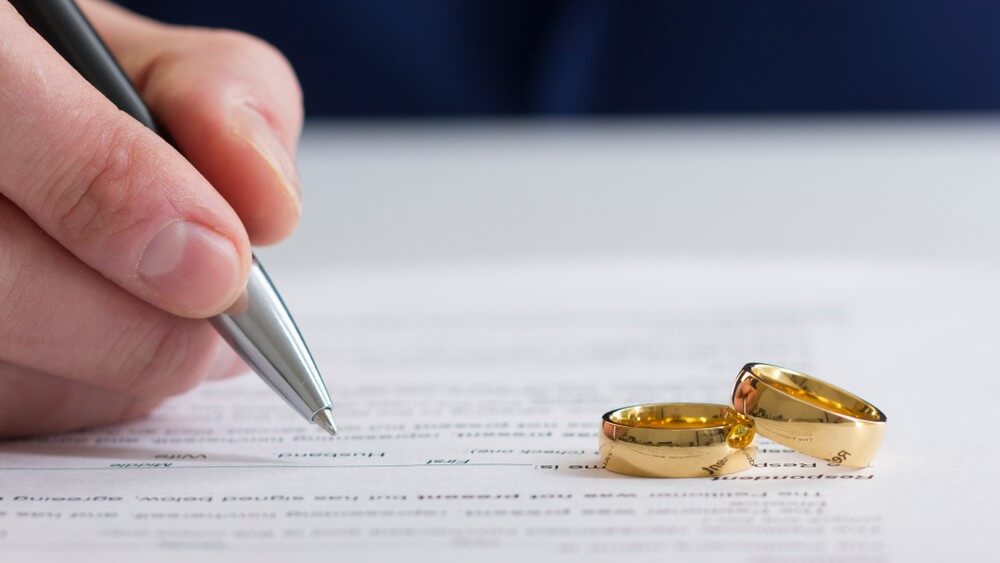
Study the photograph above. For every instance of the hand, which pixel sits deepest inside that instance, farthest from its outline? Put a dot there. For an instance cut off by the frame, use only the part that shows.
(114, 247)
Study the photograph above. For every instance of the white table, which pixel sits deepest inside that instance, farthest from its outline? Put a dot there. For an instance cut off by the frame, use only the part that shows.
(849, 187)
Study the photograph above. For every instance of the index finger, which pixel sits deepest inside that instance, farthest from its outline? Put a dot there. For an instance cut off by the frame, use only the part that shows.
(108, 189)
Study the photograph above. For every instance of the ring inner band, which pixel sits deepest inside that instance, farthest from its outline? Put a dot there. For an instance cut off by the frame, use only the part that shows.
(685, 416)
(817, 393)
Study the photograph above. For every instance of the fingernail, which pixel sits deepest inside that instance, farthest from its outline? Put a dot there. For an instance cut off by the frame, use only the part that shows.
(249, 124)
(191, 267)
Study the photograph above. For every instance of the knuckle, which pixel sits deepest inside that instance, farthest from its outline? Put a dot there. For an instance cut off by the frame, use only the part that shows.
(98, 198)
(256, 52)
(232, 42)
(158, 361)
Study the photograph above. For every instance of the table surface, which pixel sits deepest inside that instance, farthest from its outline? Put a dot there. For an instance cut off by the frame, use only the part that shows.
(904, 199)
(857, 188)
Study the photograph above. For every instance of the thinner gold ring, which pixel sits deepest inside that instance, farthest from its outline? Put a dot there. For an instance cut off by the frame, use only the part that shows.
(676, 440)
(809, 415)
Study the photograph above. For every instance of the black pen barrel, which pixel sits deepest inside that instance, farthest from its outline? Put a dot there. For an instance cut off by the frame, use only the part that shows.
(63, 25)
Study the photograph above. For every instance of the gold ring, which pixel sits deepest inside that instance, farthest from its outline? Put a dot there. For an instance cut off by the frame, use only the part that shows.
(808, 415)
(676, 440)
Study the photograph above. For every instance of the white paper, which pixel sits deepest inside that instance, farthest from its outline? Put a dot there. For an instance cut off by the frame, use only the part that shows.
(469, 400)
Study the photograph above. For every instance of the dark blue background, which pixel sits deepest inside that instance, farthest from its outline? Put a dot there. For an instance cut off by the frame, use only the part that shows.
(462, 57)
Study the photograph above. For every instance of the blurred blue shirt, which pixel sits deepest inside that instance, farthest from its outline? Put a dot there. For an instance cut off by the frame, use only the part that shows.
(472, 57)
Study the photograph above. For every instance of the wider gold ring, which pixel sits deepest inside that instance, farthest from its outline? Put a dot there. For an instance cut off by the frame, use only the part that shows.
(809, 415)
(676, 440)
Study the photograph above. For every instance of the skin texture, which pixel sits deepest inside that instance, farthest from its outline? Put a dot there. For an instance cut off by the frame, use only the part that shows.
(113, 246)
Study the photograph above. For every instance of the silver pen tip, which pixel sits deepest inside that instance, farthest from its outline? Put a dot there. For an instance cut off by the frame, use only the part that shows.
(324, 419)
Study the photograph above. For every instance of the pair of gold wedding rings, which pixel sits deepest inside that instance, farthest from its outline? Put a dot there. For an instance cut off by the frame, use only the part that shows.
(704, 440)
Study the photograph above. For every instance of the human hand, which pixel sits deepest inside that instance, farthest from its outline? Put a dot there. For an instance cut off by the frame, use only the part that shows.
(114, 247)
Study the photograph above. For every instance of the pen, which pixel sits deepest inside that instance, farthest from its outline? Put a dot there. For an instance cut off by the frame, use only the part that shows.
(259, 326)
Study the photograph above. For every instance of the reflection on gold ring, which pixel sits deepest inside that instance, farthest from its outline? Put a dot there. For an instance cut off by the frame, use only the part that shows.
(809, 415)
(676, 440)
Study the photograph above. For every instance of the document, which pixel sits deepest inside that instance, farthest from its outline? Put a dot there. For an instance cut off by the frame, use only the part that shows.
(469, 400)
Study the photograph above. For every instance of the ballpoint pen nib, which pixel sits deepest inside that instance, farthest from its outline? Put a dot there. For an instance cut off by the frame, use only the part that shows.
(324, 419)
